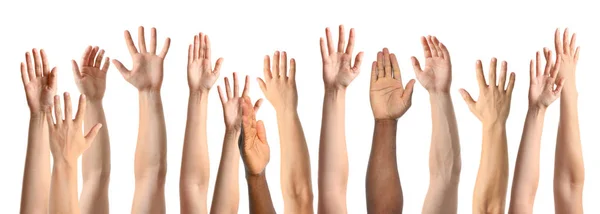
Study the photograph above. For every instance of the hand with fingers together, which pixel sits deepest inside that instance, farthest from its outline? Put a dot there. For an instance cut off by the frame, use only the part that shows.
(147, 71)
(568, 52)
(91, 76)
(232, 103)
(389, 98)
(542, 90)
(255, 149)
(201, 76)
(279, 86)
(437, 75)
(338, 71)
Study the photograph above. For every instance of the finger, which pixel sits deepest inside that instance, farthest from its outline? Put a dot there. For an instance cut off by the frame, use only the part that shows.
(436, 44)
(262, 85)
(153, 41)
(246, 86)
(86, 56)
(165, 49)
(502, 80)
(236, 85)
(566, 40)
(37, 63)
(380, 66)
(546, 52)
(52, 78)
(99, 58)
(480, 77)
(330, 45)
(218, 64)
(202, 48)
(293, 69)
(141, 39)
(275, 66)
(228, 89)
(76, 72)
(557, 43)
(350, 47)
(357, 62)
(431, 45)
(467, 97)
(374, 72)
(257, 105)
(92, 57)
(532, 73)
(577, 54)
(129, 42)
(555, 68)
(511, 84)
(559, 86)
(416, 66)
(68, 108)
(445, 51)
(387, 64)
(549, 64)
(572, 47)
(190, 54)
(283, 65)
(492, 74)
(538, 63)
(45, 64)
(324, 53)
(57, 110)
(196, 53)
(267, 67)
(408, 91)
(80, 110)
(207, 47)
(341, 40)
(426, 48)
(221, 96)
(91, 135)
(396, 67)
(261, 132)
(30, 68)
(24, 74)
(121, 68)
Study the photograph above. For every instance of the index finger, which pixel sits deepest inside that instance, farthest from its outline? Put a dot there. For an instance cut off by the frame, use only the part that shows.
(480, 77)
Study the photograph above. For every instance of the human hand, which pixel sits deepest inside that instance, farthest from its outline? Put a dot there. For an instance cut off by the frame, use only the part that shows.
(568, 53)
(91, 77)
(39, 81)
(254, 149)
(67, 142)
(232, 106)
(541, 86)
(389, 99)
(201, 76)
(279, 85)
(437, 75)
(493, 104)
(147, 71)
(338, 71)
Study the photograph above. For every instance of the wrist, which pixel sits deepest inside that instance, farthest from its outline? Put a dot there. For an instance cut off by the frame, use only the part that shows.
(284, 113)
(64, 163)
(335, 92)
(435, 94)
(251, 176)
(233, 131)
(393, 122)
(198, 96)
(149, 91)
(498, 124)
(38, 115)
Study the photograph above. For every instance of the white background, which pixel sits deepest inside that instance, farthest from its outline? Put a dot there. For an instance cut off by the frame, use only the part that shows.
(243, 32)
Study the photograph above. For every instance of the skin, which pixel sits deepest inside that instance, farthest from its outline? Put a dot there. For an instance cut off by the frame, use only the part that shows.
(444, 154)
(255, 153)
(151, 150)
(40, 86)
(91, 81)
(226, 197)
(568, 162)
(542, 93)
(338, 73)
(279, 86)
(492, 109)
(67, 143)
(195, 167)
(389, 101)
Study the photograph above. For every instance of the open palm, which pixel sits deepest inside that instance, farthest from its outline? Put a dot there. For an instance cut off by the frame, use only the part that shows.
(201, 76)
(389, 99)
(232, 103)
(39, 82)
(255, 150)
(91, 77)
(338, 71)
(541, 89)
(437, 75)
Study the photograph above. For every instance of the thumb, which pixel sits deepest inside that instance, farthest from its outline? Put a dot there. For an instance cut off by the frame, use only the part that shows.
(76, 72)
(91, 135)
(52, 79)
(416, 65)
(261, 132)
(408, 90)
(124, 71)
(262, 85)
(467, 97)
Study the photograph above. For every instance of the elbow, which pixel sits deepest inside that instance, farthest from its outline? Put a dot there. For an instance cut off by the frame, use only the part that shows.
(99, 176)
(301, 197)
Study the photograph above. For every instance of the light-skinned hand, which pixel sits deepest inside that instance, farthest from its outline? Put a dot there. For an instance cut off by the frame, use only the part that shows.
(90, 78)
(437, 75)
(39, 81)
(389, 98)
(254, 149)
(279, 85)
(232, 103)
(147, 71)
(338, 71)
(541, 85)
(201, 76)
(493, 104)
(568, 53)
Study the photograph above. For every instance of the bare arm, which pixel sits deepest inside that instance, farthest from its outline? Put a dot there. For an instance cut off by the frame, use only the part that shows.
(40, 86)
(569, 172)
(151, 150)
(279, 86)
(258, 194)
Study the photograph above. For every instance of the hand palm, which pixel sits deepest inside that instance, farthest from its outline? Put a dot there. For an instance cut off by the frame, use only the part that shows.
(232, 112)
(338, 70)
(92, 82)
(541, 92)
(147, 71)
(256, 151)
(39, 93)
(437, 75)
(387, 99)
(200, 75)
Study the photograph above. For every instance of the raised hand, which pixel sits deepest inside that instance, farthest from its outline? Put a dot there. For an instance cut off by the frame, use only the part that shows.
(389, 98)
(91, 76)
(201, 76)
(39, 81)
(568, 54)
(279, 85)
(232, 103)
(338, 70)
(437, 75)
(254, 149)
(67, 141)
(493, 104)
(541, 86)
(147, 71)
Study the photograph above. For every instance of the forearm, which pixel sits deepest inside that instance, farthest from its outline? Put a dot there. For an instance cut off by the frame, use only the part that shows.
(444, 157)
(226, 195)
(36, 176)
(333, 156)
(384, 192)
(569, 161)
(296, 183)
(527, 167)
(195, 168)
(63, 192)
(258, 194)
(492, 177)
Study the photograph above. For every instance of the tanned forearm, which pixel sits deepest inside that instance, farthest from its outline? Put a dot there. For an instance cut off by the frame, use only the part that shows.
(527, 167)
(96, 163)
(63, 191)
(150, 156)
(296, 184)
(36, 176)
(258, 194)
(333, 156)
(226, 197)
(384, 192)
(444, 157)
(492, 178)
(195, 168)
(569, 170)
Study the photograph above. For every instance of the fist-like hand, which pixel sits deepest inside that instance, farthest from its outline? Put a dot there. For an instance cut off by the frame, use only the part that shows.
(541, 86)
(147, 71)
(67, 142)
(38, 80)
(389, 98)
(279, 85)
(338, 70)
(255, 150)
(568, 53)
(232, 104)
(493, 104)
(201, 76)
(437, 75)
(91, 76)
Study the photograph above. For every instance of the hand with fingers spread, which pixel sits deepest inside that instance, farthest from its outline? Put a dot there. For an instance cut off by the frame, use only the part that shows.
(437, 75)
(542, 91)
(389, 98)
(201, 76)
(232, 107)
(279, 86)
(91, 77)
(40, 87)
(338, 71)
(67, 143)
(147, 71)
